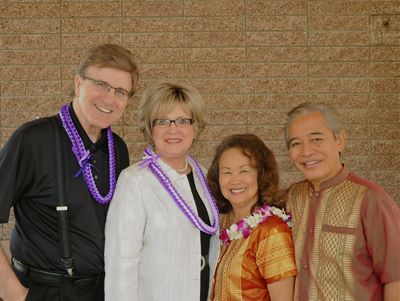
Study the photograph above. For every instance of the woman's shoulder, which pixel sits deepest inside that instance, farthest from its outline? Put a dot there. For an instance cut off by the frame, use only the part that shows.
(142, 177)
(135, 170)
(274, 224)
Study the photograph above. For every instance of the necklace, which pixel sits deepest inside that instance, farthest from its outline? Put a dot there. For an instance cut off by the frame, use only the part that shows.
(84, 156)
(150, 159)
(243, 227)
(183, 169)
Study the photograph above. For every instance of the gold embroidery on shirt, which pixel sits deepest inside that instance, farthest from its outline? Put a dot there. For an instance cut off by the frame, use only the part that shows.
(339, 209)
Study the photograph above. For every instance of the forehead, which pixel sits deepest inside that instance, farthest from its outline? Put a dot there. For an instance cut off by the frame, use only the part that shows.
(234, 157)
(115, 77)
(308, 124)
(172, 108)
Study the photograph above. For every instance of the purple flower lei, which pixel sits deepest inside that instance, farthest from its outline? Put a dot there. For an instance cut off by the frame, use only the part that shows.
(83, 156)
(243, 228)
(150, 159)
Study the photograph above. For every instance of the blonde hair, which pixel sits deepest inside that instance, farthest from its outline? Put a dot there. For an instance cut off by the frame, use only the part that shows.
(162, 98)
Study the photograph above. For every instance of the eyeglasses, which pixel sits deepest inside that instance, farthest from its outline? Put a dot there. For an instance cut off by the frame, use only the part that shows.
(179, 122)
(104, 88)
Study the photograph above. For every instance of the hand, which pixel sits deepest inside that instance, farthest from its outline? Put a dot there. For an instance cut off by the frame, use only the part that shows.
(17, 293)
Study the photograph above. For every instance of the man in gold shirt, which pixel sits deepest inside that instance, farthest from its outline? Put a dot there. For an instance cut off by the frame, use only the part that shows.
(346, 229)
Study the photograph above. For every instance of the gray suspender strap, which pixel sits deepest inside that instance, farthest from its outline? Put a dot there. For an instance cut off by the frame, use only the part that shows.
(62, 208)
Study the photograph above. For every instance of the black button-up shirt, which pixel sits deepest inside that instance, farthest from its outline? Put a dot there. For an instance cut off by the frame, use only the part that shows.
(27, 182)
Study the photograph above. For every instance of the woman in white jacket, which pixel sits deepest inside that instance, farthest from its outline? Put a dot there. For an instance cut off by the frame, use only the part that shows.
(160, 242)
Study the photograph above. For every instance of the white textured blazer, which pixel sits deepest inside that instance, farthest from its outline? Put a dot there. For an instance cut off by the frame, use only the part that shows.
(152, 251)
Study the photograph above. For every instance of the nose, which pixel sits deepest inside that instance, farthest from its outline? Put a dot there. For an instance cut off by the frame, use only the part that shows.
(307, 149)
(112, 91)
(172, 122)
(235, 178)
(109, 96)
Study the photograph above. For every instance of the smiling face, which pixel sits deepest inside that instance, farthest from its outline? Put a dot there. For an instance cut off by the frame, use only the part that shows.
(173, 143)
(95, 109)
(238, 180)
(314, 149)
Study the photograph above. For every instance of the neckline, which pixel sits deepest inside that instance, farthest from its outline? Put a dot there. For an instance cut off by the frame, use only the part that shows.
(87, 142)
(84, 156)
(335, 180)
(244, 227)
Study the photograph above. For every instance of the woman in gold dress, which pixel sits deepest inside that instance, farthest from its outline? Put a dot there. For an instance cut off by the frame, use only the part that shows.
(256, 260)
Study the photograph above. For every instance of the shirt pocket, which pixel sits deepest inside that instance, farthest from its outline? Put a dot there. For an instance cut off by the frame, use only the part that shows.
(336, 246)
(338, 230)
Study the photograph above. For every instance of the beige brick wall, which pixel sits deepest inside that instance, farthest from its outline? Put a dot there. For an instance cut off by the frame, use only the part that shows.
(252, 61)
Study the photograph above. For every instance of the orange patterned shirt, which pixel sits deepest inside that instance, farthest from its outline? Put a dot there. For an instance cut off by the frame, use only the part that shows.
(247, 265)
(346, 239)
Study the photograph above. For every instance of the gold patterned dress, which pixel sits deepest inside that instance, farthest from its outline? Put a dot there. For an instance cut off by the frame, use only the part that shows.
(247, 265)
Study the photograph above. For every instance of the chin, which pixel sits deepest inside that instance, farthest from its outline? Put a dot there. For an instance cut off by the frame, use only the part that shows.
(311, 176)
(102, 124)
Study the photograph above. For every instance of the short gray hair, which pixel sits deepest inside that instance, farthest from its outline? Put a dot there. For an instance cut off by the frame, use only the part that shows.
(163, 97)
(331, 116)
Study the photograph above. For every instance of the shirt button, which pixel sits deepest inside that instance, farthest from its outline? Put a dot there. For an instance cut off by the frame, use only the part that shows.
(96, 177)
(311, 231)
(305, 267)
(94, 161)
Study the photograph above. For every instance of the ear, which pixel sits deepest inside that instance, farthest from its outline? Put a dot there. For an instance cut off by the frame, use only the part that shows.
(77, 83)
(195, 133)
(341, 140)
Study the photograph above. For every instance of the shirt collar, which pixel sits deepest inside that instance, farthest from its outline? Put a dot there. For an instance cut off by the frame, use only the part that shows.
(339, 178)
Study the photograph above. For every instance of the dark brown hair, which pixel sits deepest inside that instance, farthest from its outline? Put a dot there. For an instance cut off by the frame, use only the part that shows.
(267, 169)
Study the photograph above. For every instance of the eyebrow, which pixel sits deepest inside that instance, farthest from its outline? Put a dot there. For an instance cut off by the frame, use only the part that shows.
(315, 133)
(241, 166)
(103, 81)
(178, 117)
(310, 134)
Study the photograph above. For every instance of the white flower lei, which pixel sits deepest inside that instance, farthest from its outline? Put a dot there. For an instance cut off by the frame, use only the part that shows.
(243, 228)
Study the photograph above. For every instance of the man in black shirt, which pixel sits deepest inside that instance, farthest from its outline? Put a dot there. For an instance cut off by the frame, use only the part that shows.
(75, 157)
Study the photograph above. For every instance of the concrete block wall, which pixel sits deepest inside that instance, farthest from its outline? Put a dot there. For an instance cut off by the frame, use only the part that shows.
(252, 61)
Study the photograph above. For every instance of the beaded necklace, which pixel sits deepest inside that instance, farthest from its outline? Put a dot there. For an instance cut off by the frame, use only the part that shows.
(83, 156)
(150, 159)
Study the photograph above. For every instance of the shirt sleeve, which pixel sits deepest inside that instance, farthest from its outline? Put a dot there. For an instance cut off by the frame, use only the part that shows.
(381, 226)
(275, 254)
(123, 240)
(16, 170)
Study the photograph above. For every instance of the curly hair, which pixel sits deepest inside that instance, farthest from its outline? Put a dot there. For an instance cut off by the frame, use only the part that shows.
(267, 170)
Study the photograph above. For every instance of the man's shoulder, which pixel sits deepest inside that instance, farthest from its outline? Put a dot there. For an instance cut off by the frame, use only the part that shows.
(31, 131)
(293, 193)
(298, 186)
(37, 126)
(370, 187)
